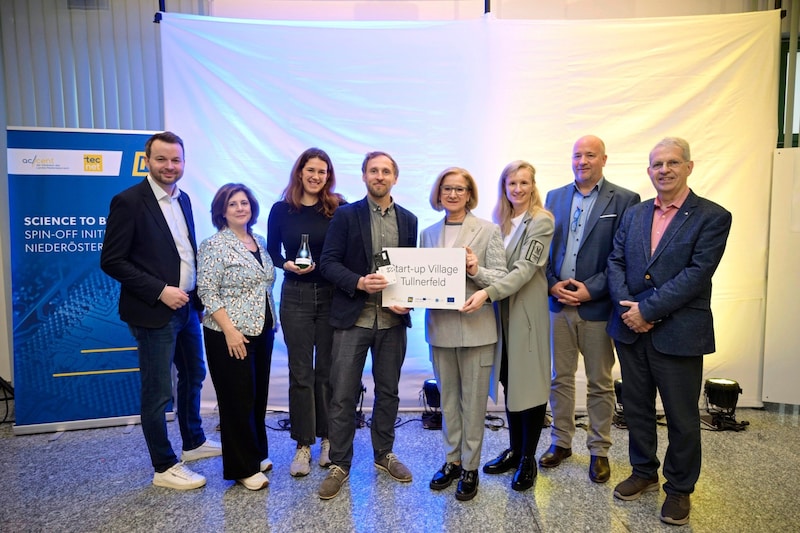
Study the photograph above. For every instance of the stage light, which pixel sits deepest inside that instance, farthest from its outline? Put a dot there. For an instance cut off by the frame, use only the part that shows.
(432, 417)
(361, 420)
(619, 415)
(721, 397)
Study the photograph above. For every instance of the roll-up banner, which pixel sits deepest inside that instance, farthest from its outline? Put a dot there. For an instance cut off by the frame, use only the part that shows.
(75, 362)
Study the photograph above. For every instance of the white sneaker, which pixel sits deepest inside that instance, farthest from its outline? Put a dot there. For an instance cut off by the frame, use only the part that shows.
(266, 465)
(325, 453)
(179, 477)
(209, 448)
(301, 465)
(255, 482)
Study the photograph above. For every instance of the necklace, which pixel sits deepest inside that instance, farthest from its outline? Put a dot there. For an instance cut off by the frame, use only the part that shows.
(248, 241)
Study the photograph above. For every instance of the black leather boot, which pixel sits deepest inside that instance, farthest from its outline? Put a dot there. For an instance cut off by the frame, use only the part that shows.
(467, 485)
(525, 474)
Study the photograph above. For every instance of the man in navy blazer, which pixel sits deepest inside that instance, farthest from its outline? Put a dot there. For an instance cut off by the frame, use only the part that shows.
(587, 214)
(357, 232)
(659, 275)
(150, 248)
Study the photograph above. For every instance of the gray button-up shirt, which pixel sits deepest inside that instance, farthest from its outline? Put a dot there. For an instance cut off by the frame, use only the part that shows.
(383, 227)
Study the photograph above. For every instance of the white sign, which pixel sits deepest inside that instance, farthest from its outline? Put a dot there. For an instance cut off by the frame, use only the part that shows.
(52, 162)
(433, 278)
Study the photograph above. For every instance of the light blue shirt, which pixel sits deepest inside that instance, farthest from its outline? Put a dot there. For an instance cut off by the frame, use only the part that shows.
(579, 213)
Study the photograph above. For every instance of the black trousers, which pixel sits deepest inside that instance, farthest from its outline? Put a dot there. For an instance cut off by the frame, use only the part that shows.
(242, 386)
(524, 427)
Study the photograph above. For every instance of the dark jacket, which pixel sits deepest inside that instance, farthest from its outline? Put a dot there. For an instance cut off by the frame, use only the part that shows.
(673, 287)
(140, 253)
(347, 256)
(597, 243)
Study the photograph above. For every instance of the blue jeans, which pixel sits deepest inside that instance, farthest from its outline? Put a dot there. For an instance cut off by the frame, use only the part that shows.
(350, 346)
(305, 315)
(181, 342)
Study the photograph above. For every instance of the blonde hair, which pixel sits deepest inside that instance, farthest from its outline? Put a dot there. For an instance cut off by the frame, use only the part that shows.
(504, 211)
(472, 187)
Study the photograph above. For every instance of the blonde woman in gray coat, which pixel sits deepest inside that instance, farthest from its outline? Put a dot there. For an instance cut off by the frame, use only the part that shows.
(524, 357)
(462, 345)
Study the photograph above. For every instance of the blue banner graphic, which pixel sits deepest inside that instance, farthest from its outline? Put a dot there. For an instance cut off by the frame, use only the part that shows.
(73, 358)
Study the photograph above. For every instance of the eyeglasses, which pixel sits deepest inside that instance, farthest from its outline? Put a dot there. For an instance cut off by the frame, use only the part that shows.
(576, 216)
(658, 165)
(447, 189)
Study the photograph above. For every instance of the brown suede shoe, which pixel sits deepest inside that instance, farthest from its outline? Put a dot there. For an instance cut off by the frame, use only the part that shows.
(390, 464)
(633, 487)
(676, 509)
(332, 484)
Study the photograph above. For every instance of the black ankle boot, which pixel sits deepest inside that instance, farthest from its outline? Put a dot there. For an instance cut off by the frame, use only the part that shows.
(467, 485)
(525, 474)
(445, 476)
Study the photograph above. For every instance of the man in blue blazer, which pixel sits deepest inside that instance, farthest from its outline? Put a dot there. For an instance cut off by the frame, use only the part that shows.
(357, 232)
(587, 214)
(659, 275)
(150, 248)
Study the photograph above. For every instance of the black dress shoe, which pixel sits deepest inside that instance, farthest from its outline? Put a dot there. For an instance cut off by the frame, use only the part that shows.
(467, 485)
(445, 476)
(525, 474)
(508, 460)
(553, 457)
(599, 470)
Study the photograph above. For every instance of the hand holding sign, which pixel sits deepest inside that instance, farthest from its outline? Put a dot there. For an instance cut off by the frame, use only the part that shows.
(426, 278)
(472, 262)
(372, 283)
(475, 301)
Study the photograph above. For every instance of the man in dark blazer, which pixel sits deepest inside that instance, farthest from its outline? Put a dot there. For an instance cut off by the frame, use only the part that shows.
(659, 275)
(587, 214)
(357, 232)
(150, 248)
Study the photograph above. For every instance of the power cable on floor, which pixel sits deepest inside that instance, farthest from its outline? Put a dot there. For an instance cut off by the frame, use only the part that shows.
(494, 422)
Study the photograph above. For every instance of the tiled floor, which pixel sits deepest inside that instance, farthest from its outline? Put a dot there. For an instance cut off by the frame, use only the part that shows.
(100, 480)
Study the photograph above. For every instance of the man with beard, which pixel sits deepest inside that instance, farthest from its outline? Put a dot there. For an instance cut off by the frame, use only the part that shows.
(357, 232)
(150, 249)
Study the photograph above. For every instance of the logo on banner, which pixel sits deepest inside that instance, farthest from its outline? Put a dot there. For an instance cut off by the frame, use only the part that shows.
(93, 162)
(56, 162)
(42, 163)
(139, 166)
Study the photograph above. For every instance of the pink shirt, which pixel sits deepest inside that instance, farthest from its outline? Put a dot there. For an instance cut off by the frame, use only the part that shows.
(662, 216)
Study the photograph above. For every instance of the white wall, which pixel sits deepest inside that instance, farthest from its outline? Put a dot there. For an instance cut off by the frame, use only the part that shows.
(248, 96)
(276, 9)
(463, 9)
(5, 254)
(781, 335)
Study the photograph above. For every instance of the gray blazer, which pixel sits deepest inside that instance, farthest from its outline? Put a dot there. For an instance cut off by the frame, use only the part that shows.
(524, 315)
(448, 328)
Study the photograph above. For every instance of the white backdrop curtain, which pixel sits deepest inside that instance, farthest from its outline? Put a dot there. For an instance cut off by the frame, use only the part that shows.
(249, 96)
